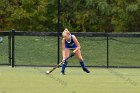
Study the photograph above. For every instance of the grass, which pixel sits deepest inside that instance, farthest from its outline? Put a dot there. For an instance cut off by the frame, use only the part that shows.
(34, 80)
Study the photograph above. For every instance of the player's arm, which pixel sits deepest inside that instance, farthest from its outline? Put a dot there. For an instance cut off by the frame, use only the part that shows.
(77, 43)
(63, 48)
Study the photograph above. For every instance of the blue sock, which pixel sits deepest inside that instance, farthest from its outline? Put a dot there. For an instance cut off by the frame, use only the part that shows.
(64, 66)
(82, 64)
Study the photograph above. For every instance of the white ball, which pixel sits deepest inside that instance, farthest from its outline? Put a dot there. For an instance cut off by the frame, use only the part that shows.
(47, 72)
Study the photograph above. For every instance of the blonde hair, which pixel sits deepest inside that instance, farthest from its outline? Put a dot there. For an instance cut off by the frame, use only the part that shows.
(66, 31)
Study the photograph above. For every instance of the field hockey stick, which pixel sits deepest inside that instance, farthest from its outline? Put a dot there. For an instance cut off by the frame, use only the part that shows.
(58, 65)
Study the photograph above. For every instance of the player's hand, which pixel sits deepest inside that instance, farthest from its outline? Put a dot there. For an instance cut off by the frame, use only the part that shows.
(72, 54)
(63, 60)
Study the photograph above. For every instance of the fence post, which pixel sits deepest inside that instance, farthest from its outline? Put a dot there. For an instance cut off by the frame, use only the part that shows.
(9, 48)
(58, 32)
(107, 51)
(13, 48)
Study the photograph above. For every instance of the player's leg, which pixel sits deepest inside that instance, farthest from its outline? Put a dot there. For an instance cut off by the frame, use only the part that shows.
(80, 58)
(67, 53)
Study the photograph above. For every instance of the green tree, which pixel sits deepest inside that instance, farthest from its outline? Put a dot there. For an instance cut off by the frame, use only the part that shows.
(29, 15)
(99, 15)
(77, 15)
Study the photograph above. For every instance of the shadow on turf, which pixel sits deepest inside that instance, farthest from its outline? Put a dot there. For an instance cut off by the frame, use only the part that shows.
(130, 81)
(52, 77)
(3, 92)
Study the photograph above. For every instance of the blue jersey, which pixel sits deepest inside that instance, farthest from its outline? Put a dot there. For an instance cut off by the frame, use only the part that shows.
(70, 44)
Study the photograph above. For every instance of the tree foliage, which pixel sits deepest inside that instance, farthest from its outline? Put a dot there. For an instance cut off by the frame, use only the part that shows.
(77, 15)
(29, 15)
(100, 15)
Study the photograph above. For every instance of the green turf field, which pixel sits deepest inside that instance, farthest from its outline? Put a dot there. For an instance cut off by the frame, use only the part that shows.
(34, 80)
